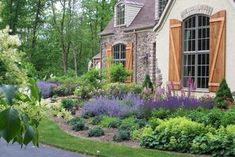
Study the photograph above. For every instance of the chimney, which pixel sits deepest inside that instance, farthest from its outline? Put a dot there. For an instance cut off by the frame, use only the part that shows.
(157, 8)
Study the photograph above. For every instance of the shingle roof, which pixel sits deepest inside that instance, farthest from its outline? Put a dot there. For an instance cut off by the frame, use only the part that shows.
(98, 56)
(144, 19)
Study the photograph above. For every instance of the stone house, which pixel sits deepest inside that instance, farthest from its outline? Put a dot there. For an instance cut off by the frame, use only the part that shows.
(195, 38)
(129, 37)
(183, 38)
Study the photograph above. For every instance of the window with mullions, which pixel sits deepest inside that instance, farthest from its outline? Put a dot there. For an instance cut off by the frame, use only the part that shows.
(119, 54)
(196, 36)
(120, 14)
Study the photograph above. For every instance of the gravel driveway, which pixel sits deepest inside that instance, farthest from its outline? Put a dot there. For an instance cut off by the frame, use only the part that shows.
(9, 150)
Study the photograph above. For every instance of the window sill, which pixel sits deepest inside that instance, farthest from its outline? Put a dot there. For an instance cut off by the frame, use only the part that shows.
(199, 90)
(122, 25)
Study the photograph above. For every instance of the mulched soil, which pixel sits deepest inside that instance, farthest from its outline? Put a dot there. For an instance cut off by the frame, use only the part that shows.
(108, 137)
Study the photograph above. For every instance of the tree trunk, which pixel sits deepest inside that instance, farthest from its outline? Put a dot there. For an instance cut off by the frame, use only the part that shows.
(36, 21)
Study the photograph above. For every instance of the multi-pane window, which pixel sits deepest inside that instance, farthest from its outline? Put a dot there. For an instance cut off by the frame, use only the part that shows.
(196, 50)
(162, 5)
(119, 54)
(120, 14)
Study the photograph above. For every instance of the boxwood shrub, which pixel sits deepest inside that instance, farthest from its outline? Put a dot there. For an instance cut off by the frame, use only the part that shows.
(96, 132)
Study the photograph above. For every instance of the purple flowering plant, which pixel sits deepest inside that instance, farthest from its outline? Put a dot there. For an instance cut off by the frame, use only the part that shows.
(45, 88)
(132, 104)
(114, 107)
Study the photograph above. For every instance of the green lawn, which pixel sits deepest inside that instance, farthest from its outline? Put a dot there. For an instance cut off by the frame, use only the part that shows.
(51, 134)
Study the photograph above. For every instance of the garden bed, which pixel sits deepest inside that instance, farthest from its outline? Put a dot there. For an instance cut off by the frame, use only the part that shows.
(147, 118)
(108, 137)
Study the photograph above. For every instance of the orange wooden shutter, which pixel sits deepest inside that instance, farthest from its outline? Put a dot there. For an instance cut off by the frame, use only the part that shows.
(108, 55)
(175, 53)
(217, 50)
(129, 59)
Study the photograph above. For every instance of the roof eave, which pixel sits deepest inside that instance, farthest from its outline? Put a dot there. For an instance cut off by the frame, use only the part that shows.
(163, 16)
(140, 28)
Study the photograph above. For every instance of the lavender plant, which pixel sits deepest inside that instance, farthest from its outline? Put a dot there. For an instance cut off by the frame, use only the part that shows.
(174, 102)
(114, 107)
(46, 88)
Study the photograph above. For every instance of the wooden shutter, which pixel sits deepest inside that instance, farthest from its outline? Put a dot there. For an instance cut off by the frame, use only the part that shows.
(217, 50)
(108, 55)
(175, 53)
(129, 59)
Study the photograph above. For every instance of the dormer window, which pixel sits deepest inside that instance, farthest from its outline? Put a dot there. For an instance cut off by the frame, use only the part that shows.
(120, 14)
(162, 5)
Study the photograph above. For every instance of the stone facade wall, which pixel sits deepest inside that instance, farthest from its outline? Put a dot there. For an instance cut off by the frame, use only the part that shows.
(143, 42)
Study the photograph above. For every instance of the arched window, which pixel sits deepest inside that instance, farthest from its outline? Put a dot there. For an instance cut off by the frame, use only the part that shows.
(196, 36)
(120, 14)
(119, 54)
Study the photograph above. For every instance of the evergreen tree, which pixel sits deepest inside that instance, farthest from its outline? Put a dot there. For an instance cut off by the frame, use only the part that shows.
(223, 95)
(147, 82)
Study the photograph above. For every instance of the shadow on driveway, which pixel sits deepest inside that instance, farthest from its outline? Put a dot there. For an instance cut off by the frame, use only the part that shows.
(14, 150)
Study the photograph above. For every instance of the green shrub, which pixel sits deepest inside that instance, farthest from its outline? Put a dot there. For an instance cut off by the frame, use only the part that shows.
(198, 115)
(96, 120)
(129, 123)
(64, 90)
(118, 73)
(119, 90)
(141, 123)
(106, 120)
(221, 143)
(223, 95)
(231, 130)
(96, 132)
(66, 87)
(121, 135)
(154, 122)
(92, 77)
(127, 127)
(115, 124)
(228, 117)
(134, 88)
(139, 134)
(79, 126)
(180, 112)
(175, 134)
(84, 92)
(74, 121)
(147, 82)
(161, 113)
(68, 104)
(214, 118)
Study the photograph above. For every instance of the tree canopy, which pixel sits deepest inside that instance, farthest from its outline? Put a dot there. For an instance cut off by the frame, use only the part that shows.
(59, 37)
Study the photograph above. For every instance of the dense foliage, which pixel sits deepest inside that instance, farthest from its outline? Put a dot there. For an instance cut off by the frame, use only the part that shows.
(118, 73)
(223, 95)
(20, 110)
(59, 37)
(190, 136)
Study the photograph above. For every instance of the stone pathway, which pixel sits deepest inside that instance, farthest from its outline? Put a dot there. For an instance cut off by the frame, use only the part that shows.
(14, 150)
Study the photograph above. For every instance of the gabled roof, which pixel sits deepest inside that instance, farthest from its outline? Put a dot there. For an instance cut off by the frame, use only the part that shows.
(144, 19)
(98, 56)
